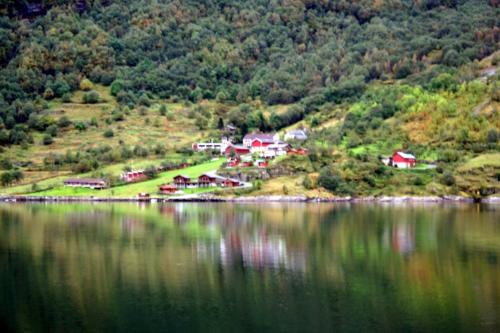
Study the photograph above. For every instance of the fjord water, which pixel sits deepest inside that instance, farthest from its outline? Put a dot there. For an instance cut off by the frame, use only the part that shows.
(247, 267)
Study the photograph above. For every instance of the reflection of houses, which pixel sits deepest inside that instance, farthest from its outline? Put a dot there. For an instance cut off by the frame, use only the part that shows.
(400, 160)
(263, 251)
(93, 183)
(403, 238)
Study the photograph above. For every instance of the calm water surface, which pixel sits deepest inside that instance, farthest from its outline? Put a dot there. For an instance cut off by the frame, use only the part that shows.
(235, 268)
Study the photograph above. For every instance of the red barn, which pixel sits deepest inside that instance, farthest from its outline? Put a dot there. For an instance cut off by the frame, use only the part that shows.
(403, 160)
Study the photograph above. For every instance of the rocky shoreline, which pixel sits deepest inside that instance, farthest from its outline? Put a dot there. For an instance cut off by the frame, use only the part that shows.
(257, 199)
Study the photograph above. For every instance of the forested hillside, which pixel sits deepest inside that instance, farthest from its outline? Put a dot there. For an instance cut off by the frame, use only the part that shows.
(369, 75)
(278, 51)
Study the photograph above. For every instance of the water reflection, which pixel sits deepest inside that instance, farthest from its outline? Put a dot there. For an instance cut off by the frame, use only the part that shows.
(222, 267)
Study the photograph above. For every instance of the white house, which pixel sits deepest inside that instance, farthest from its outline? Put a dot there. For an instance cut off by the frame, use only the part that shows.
(217, 146)
(296, 135)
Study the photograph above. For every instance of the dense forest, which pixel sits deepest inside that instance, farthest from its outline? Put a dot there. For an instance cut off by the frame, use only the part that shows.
(280, 51)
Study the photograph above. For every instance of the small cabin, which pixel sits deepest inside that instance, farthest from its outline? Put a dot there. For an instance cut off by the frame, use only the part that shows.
(168, 189)
(182, 181)
(228, 182)
(210, 179)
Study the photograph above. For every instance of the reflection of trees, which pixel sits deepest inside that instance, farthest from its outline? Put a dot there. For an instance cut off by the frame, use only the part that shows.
(385, 263)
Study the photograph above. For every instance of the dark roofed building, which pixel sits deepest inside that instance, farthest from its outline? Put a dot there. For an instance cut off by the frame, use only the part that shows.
(94, 183)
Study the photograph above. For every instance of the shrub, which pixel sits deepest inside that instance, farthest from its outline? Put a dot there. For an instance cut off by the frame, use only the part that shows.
(151, 172)
(163, 110)
(52, 130)
(81, 126)
(144, 100)
(417, 181)
(108, 133)
(118, 115)
(93, 122)
(47, 139)
(91, 97)
(63, 122)
(448, 179)
(329, 180)
(116, 87)
(66, 98)
(86, 85)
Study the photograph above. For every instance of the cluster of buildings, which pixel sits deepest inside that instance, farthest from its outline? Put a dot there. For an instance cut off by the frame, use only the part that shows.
(208, 179)
(263, 145)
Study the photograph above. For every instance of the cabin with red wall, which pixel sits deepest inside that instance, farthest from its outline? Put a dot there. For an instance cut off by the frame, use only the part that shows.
(182, 181)
(168, 189)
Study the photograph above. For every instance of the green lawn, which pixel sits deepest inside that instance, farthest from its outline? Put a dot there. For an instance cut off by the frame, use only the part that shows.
(130, 190)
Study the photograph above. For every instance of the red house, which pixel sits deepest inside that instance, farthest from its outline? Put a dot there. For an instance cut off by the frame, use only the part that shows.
(182, 181)
(403, 160)
(238, 150)
(209, 179)
(228, 182)
(133, 176)
(168, 189)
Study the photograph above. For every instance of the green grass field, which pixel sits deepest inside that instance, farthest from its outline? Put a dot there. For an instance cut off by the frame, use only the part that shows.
(131, 190)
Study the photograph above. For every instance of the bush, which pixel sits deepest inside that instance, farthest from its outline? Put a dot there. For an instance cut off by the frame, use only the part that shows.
(47, 139)
(118, 115)
(108, 133)
(64, 122)
(151, 172)
(329, 180)
(66, 98)
(52, 130)
(91, 97)
(448, 179)
(116, 87)
(163, 110)
(144, 100)
(308, 183)
(80, 126)
(86, 85)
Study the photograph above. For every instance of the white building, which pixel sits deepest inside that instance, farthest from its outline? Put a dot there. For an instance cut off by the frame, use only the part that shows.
(217, 146)
(296, 135)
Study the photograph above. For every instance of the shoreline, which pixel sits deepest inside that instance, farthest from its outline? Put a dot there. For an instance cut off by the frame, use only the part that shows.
(256, 199)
